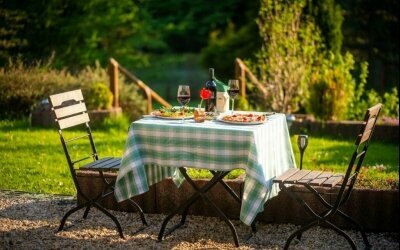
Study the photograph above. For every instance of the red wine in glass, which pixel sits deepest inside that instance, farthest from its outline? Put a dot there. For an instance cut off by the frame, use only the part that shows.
(233, 93)
(183, 96)
(183, 99)
(233, 90)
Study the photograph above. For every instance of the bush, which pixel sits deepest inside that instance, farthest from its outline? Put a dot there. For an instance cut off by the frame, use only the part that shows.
(364, 99)
(331, 87)
(131, 101)
(289, 48)
(98, 96)
(21, 87)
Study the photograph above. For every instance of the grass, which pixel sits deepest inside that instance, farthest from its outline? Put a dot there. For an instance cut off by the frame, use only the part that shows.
(32, 158)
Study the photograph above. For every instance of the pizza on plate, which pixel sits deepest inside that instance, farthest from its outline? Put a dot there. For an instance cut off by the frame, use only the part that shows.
(244, 118)
(173, 112)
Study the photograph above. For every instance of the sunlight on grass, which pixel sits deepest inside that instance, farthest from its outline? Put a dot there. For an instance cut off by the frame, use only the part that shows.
(33, 159)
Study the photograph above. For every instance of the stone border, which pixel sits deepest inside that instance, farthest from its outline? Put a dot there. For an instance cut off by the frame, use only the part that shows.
(344, 129)
(377, 210)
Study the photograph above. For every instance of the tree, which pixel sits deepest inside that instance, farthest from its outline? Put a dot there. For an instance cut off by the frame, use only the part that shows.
(328, 16)
(289, 44)
(79, 32)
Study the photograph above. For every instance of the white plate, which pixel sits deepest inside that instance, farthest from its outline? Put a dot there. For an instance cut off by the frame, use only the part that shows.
(219, 118)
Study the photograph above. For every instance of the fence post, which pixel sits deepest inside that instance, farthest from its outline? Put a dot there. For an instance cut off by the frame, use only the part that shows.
(113, 73)
(240, 74)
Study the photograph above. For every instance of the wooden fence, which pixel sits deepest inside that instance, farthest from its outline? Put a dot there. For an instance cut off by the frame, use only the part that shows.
(114, 68)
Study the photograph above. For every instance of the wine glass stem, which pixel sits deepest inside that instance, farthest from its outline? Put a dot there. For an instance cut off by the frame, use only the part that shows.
(183, 114)
(233, 104)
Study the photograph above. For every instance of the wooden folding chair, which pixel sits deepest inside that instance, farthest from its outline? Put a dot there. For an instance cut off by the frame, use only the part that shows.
(344, 182)
(70, 111)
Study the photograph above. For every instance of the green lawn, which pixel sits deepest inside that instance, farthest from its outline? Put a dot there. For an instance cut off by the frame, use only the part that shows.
(32, 158)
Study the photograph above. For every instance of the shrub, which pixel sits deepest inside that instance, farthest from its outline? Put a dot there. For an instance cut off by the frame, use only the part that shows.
(131, 101)
(22, 86)
(289, 47)
(364, 99)
(98, 96)
(331, 87)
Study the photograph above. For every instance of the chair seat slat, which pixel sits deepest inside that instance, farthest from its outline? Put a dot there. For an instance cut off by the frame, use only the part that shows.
(286, 175)
(94, 163)
(333, 180)
(70, 110)
(107, 165)
(309, 177)
(320, 178)
(297, 176)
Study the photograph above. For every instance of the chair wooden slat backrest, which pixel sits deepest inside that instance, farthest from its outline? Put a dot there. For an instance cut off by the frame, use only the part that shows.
(362, 143)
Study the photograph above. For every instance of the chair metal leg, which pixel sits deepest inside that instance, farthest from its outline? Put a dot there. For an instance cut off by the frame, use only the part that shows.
(86, 211)
(102, 209)
(71, 211)
(301, 230)
(358, 226)
(139, 210)
(341, 232)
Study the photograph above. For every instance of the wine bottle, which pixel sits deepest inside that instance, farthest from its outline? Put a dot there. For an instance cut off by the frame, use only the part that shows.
(212, 86)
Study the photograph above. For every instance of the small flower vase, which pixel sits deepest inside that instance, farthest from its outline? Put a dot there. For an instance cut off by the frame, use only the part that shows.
(199, 114)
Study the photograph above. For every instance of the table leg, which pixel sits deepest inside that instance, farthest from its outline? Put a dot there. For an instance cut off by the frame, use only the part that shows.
(200, 192)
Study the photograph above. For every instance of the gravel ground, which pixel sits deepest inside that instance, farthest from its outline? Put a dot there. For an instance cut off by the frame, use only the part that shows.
(30, 221)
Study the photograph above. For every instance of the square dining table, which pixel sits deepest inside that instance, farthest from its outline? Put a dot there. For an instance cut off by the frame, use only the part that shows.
(159, 148)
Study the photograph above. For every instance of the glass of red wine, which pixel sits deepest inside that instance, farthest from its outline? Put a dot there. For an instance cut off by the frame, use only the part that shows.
(233, 90)
(183, 98)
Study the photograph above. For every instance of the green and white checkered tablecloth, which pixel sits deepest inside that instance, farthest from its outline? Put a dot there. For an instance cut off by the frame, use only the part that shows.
(155, 148)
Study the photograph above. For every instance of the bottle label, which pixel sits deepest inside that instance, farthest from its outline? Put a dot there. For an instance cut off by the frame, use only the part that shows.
(222, 102)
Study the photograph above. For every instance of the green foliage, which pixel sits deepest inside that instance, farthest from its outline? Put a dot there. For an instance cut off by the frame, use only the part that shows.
(114, 124)
(242, 103)
(391, 103)
(185, 25)
(131, 101)
(371, 29)
(22, 86)
(225, 47)
(98, 96)
(364, 99)
(332, 87)
(78, 32)
(238, 39)
(328, 16)
(290, 45)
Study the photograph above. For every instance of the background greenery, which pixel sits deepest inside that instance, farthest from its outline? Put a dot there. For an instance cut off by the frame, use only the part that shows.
(81, 32)
(33, 159)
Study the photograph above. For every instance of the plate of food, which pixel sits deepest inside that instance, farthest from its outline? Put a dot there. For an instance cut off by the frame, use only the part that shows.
(174, 113)
(243, 118)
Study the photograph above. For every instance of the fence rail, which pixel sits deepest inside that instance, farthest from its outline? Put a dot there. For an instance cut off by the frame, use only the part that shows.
(242, 72)
(114, 68)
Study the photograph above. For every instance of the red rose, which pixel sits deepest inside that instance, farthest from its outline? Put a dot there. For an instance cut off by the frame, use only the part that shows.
(205, 93)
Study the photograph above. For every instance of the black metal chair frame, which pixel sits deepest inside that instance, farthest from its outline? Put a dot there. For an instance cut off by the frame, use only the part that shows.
(344, 191)
(200, 192)
(70, 111)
